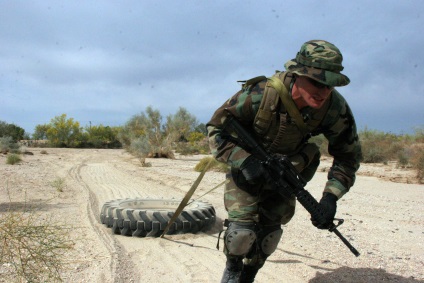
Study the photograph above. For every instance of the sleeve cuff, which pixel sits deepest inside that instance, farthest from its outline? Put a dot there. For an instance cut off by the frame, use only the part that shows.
(237, 157)
(335, 187)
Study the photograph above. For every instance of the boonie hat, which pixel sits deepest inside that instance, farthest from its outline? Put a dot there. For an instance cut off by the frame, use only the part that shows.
(319, 60)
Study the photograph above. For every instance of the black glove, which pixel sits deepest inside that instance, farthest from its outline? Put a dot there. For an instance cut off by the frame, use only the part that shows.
(253, 170)
(328, 204)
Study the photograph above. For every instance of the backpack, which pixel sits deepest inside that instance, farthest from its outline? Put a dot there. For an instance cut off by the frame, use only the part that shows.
(275, 90)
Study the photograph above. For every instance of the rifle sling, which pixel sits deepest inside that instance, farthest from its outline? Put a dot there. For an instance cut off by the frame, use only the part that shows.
(288, 102)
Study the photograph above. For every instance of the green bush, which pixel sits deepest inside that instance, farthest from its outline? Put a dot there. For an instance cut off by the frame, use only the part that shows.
(59, 184)
(419, 134)
(192, 148)
(185, 148)
(379, 147)
(11, 130)
(195, 137)
(13, 158)
(403, 158)
(7, 144)
(418, 162)
(407, 150)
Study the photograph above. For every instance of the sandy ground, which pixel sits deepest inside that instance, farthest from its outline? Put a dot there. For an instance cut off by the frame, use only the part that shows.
(384, 220)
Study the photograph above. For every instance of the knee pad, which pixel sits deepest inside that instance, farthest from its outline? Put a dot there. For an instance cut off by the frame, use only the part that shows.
(239, 238)
(268, 239)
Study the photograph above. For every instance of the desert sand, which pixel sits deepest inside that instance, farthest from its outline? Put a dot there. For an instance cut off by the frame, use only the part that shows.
(384, 220)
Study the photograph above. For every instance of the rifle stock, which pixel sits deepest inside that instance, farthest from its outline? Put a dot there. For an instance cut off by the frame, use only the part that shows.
(287, 180)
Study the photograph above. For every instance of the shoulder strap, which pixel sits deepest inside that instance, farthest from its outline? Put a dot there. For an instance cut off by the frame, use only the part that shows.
(288, 102)
(252, 81)
(267, 110)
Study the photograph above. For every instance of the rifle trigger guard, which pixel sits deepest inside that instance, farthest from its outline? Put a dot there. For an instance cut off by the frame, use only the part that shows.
(340, 222)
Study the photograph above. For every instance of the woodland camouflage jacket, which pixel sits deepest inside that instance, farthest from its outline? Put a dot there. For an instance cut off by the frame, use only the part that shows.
(334, 120)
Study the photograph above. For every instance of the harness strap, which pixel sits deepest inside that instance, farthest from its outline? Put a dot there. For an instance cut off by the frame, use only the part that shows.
(288, 102)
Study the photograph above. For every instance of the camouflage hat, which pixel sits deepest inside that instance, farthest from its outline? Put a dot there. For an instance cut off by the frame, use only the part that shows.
(320, 60)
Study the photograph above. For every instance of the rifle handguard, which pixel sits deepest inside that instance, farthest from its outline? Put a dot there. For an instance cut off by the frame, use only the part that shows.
(311, 205)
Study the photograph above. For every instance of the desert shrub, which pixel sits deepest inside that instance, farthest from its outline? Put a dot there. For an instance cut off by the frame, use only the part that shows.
(203, 147)
(195, 137)
(201, 128)
(418, 162)
(13, 158)
(40, 132)
(185, 148)
(32, 247)
(379, 147)
(143, 135)
(419, 134)
(100, 137)
(192, 148)
(403, 158)
(180, 125)
(7, 144)
(43, 151)
(140, 146)
(211, 164)
(59, 184)
(372, 154)
(198, 143)
(11, 130)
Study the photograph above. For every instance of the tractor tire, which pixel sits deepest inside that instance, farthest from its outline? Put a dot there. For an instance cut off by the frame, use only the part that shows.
(139, 217)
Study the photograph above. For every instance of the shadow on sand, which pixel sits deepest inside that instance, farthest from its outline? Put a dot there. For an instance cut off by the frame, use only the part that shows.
(360, 275)
(31, 206)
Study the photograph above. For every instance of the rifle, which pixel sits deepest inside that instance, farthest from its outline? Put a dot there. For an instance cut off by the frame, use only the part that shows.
(287, 180)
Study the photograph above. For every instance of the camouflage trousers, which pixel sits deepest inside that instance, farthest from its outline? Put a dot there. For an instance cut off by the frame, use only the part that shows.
(261, 203)
(257, 204)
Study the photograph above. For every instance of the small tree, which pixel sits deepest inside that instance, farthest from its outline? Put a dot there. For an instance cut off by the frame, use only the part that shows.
(137, 126)
(102, 137)
(40, 132)
(11, 130)
(181, 124)
(144, 132)
(419, 134)
(63, 131)
(8, 145)
(201, 128)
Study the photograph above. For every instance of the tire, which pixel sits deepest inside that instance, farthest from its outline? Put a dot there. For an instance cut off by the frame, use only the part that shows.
(139, 217)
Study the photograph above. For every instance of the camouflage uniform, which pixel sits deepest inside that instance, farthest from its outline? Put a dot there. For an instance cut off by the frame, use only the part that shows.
(258, 203)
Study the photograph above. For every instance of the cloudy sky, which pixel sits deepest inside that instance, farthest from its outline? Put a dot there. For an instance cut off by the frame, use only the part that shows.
(101, 62)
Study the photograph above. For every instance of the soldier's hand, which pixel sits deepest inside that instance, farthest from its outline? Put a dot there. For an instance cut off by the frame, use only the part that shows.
(253, 170)
(328, 204)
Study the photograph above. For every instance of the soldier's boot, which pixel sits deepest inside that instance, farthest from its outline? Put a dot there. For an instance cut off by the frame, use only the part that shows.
(248, 274)
(232, 271)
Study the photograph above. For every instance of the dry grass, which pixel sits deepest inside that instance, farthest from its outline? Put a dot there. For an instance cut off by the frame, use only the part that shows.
(59, 184)
(32, 245)
(13, 158)
(212, 164)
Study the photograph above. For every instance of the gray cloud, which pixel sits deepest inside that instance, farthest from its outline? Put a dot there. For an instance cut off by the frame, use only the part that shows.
(106, 61)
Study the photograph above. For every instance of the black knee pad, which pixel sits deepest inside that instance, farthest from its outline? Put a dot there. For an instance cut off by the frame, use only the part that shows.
(239, 238)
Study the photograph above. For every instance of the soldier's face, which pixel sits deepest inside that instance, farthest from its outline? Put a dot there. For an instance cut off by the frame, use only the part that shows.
(313, 93)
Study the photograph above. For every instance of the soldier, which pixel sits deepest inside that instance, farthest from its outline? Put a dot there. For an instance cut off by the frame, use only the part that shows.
(282, 112)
